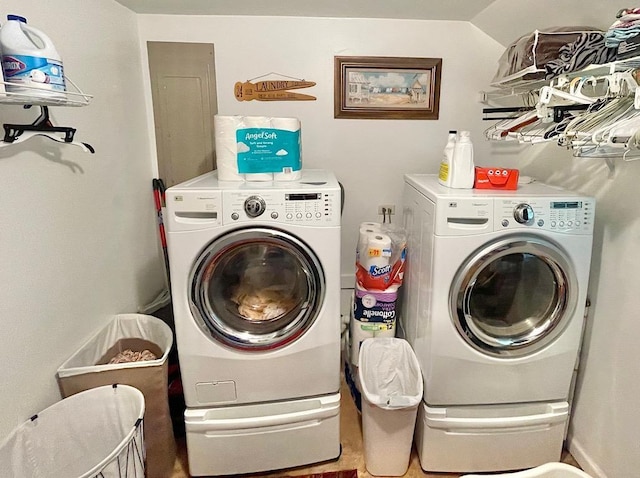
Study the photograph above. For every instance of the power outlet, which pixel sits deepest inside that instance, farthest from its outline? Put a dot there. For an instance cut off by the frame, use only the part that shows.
(387, 209)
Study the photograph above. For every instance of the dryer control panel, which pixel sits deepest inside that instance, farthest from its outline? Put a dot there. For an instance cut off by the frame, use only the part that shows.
(566, 215)
(313, 208)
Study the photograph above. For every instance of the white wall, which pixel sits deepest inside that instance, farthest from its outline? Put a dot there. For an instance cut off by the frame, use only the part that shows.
(78, 238)
(603, 434)
(369, 157)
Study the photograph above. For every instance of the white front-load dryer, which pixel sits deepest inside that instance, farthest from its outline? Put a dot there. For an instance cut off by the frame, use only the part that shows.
(256, 291)
(495, 295)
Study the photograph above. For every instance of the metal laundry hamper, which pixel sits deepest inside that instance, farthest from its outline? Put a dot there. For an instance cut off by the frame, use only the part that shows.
(96, 433)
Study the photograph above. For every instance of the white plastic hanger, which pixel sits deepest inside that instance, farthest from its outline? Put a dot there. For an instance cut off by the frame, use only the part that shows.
(27, 135)
(42, 126)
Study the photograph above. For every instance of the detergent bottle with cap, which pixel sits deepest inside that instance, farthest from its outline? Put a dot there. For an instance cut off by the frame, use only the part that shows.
(31, 64)
(462, 165)
(444, 176)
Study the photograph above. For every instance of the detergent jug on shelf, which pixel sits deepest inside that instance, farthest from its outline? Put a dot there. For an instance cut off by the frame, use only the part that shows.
(31, 65)
(444, 175)
(462, 165)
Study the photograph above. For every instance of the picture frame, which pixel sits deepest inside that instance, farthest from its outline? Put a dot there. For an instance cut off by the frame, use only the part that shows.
(379, 87)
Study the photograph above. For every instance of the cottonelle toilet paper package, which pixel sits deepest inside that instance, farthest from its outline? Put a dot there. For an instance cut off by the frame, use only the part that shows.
(380, 256)
(257, 148)
(373, 315)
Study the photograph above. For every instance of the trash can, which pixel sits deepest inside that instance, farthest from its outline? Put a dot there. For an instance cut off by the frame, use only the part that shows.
(89, 367)
(96, 433)
(391, 384)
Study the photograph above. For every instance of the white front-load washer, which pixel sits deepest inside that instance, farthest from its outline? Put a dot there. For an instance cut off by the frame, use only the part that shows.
(256, 292)
(495, 295)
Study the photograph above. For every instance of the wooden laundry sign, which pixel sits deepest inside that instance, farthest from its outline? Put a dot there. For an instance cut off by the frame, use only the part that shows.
(272, 90)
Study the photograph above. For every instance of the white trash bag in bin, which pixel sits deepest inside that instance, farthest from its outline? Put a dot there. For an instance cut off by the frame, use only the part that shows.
(96, 433)
(389, 373)
(391, 383)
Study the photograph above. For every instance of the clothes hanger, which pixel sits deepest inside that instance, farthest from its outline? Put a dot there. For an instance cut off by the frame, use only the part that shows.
(618, 131)
(532, 133)
(26, 136)
(580, 130)
(547, 93)
(42, 126)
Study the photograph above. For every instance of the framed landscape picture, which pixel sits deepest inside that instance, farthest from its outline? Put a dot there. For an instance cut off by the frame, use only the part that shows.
(370, 87)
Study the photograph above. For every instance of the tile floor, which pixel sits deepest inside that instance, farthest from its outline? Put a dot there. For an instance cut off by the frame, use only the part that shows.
(352, 451)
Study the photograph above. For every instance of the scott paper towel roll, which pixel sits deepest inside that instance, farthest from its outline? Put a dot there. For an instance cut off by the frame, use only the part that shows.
(377, 253)
(366, 230)
(226, 147)
(374, 225)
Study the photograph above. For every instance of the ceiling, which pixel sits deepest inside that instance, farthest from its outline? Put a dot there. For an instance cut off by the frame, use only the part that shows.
(463, 10)
(503, 20)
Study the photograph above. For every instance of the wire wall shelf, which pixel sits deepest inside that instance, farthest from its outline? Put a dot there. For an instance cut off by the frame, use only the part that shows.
(39, 96)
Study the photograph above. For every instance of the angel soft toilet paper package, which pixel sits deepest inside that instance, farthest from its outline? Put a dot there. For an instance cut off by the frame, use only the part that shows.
(257, 148)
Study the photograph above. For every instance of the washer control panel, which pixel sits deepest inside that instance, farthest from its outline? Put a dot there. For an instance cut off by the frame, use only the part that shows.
(572, 216)
(321, 207)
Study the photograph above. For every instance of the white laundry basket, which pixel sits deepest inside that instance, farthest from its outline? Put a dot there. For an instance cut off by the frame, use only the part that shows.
(392, 388)
(548, 470)
(96, 433)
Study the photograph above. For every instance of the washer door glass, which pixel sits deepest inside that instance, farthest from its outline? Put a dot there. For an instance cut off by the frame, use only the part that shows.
(256, 289)
(514, 296)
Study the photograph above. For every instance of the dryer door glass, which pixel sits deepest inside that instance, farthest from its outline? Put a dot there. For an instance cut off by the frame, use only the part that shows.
(256, 289)
(514, 296)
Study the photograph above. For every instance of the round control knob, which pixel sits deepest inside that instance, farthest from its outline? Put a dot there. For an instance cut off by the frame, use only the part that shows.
(254, 206)
(523, 214)
(274, 215)
(235, 216)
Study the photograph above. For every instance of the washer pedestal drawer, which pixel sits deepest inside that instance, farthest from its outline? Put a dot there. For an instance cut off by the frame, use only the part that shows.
(490, 437)
(262, 437)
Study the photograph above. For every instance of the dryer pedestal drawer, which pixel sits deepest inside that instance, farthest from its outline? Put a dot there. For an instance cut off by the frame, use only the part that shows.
(262, 437)
(490, 438)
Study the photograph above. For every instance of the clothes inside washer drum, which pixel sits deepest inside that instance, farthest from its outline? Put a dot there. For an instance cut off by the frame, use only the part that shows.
(262, 304)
